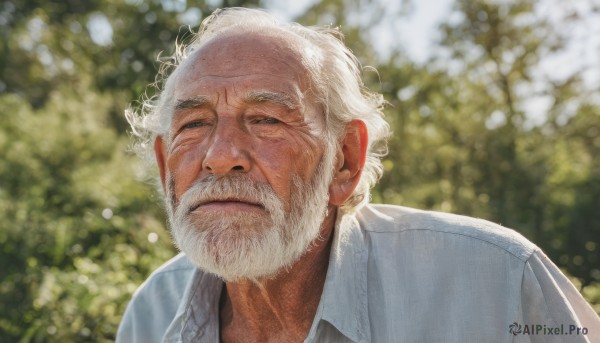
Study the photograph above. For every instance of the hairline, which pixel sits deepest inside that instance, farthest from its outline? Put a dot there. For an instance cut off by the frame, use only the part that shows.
(296, 44)
(333, 73)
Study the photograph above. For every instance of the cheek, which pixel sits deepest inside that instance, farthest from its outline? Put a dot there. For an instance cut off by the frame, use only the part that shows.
(306, 155)
(184, 165)
(295, 155)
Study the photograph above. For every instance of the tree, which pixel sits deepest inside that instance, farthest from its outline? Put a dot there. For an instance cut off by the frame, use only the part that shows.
(466, 139)
(82, 228)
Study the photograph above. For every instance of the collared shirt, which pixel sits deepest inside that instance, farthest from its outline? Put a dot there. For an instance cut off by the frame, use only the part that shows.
(395, 275)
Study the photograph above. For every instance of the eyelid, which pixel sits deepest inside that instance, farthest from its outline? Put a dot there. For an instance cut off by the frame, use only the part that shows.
(266, 120)
(192, 124)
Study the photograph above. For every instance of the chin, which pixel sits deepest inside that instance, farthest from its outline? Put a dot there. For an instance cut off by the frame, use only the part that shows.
(234, 257)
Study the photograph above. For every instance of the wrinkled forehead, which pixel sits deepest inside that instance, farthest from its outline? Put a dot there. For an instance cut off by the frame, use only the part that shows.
(234, 53)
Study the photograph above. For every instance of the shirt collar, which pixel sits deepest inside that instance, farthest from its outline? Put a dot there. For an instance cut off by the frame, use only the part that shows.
(344, 300)
(343, 303)
(197, 318)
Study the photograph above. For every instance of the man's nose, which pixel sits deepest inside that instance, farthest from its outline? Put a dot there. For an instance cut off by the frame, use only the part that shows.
(227, 152)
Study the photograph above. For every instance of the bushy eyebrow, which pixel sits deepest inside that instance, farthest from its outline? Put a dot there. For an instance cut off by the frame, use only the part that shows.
(191, 103)
(270, 96)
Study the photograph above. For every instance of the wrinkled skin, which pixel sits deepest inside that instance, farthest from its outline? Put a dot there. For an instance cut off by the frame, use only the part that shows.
(242, 104)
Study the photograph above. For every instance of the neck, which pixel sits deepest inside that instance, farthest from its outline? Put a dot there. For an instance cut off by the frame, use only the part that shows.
(280, 308)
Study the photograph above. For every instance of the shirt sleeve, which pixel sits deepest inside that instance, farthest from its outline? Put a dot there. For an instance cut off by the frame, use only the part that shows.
(550, 299)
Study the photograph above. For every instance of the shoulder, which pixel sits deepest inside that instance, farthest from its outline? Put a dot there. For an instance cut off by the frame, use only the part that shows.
(178, 268)
(430, 266)
(165, 286)
(389, 221)
(155, 303)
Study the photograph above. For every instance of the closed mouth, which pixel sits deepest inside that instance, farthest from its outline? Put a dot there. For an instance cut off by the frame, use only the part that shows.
(225, 201)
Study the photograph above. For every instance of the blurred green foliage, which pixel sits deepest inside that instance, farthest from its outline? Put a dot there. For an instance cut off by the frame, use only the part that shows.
(82, 224)
(79, 232)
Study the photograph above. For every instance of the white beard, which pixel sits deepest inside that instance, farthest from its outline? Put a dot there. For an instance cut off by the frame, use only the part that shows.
(249, 245)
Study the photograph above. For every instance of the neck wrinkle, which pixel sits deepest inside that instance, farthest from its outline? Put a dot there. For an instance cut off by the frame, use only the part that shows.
(286, 303)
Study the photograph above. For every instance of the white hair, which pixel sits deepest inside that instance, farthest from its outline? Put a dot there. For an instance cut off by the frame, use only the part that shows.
(335, 78)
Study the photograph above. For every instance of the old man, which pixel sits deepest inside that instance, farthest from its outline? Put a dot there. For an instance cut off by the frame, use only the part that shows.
(267, 145)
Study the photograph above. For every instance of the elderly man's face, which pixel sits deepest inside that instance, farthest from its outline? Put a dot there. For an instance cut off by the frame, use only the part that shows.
(245, 164)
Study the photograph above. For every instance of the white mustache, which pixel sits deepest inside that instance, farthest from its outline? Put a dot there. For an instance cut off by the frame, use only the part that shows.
(231, 188)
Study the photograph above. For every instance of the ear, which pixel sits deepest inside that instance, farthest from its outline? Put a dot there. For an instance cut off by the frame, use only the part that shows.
(350, 161)
(160, 153)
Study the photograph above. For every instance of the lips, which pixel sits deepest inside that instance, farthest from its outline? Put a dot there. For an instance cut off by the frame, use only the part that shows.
(227, 202)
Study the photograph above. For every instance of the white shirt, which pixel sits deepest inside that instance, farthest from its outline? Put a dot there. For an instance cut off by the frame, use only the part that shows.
(395, 275)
